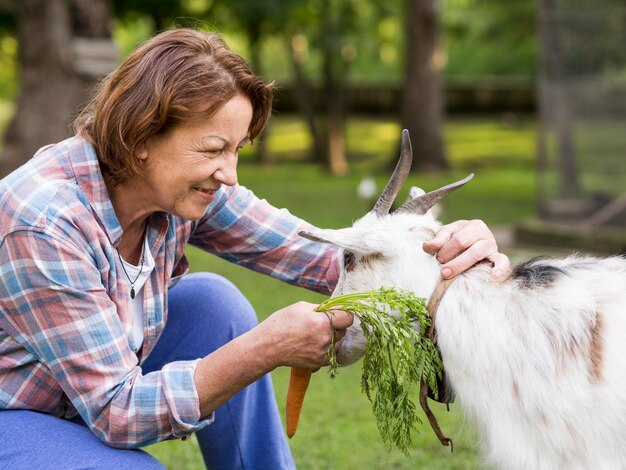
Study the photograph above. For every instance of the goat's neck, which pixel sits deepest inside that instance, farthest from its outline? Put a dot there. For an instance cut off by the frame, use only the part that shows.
(472, 289)
(477, 275)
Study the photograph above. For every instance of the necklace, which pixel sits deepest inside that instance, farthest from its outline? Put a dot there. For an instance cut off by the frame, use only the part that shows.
(132, 283)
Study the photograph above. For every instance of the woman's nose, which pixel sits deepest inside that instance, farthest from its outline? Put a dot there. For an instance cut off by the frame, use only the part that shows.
(227, 174)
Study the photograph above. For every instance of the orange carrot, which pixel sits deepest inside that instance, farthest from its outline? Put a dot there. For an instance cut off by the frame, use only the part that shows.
(298, 383)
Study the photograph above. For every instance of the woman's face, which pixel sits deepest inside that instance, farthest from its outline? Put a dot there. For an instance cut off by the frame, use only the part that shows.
(185, 167)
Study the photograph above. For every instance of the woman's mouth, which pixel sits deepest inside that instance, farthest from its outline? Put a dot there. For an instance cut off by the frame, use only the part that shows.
(206, 194)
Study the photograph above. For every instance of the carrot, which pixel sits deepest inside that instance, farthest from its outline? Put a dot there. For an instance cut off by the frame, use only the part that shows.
(298, 383)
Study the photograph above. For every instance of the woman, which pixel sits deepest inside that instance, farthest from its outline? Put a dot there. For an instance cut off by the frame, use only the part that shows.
(103, 343)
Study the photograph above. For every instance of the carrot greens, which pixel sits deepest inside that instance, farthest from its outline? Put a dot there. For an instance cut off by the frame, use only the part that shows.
(399, 357)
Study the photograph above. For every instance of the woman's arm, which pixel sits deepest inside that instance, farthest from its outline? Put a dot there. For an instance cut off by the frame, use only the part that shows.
(296, 336)
(246, 230)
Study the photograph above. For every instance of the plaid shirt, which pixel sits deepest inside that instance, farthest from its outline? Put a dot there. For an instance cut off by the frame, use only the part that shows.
(65, 319)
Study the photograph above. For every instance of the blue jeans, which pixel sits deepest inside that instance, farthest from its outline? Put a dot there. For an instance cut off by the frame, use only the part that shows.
(205, 312)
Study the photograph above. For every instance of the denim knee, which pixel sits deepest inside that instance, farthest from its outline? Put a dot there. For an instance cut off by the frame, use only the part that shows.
(205, 311)
(33, 440)
(210, 295)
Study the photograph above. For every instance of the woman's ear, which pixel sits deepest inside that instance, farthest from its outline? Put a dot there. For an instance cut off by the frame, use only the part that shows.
(142, 152)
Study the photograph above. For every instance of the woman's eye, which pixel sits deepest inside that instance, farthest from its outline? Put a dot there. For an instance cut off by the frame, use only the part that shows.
(214, 152)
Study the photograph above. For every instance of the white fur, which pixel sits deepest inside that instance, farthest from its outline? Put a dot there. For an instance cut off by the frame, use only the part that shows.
(539, 367)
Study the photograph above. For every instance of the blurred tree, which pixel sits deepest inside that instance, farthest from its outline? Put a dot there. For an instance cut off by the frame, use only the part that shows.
(486, 38)
(161, 13)
(334, 30)
(422, 105)
(258, 20)
(336, 16)
(581, 54)
(8, 51)
(326, 23)
(298, 51)
(59, 64)
(301, 34)
(556, 112)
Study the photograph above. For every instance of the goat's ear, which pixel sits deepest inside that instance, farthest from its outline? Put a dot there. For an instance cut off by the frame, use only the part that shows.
(339, 237)
(416, 192)
(314, 236)
(419, 205)
(346, 238)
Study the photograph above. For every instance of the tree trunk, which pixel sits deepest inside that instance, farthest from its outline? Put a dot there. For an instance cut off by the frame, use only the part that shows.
(334, 76)
(555, 110)
(59, 65)
(422, 112)
(334, 129)
(263, 156)
(302, 96)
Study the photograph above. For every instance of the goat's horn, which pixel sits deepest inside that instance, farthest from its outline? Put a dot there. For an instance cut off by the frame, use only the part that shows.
(400, 173)
(421, 204)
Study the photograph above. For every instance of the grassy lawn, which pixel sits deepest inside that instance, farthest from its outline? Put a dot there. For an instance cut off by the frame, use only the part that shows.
(337, 429)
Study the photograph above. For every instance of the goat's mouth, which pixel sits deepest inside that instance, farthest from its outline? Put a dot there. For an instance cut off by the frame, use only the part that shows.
(353, 346)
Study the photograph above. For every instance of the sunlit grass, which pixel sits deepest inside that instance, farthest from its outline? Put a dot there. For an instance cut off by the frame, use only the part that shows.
(480, 143)
(288, 138)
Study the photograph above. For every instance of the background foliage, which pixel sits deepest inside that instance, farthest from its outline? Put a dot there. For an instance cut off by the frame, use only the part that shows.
(482, 38)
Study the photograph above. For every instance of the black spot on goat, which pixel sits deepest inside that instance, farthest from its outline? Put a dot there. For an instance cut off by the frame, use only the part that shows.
(536, 273)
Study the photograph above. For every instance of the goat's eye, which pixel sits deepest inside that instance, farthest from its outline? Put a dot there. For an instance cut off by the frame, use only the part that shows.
(348, 260)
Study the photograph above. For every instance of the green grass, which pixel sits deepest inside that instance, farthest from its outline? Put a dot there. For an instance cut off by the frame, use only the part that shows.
(337, 428)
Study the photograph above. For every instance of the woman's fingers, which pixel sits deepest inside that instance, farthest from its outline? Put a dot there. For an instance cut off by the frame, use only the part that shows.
(501, 266)
(442, 238)
(340, 319)
(339, 334)
(466, 259)
(462, 244)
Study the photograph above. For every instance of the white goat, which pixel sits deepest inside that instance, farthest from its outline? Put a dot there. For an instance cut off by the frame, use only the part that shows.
(537, 362)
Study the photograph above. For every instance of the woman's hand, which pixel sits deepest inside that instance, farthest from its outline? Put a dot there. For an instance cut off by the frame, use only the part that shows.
(296, 336)
(301, 336)
(461, 244)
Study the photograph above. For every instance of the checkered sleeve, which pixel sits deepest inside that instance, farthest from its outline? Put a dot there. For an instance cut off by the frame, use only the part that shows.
(246, 230)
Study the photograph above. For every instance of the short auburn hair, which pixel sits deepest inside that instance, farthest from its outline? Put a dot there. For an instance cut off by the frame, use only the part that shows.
(178, 76)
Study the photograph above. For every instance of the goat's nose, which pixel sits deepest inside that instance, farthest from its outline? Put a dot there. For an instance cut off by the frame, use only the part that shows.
(351, 349)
